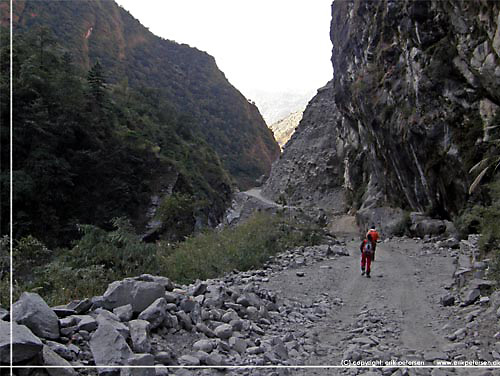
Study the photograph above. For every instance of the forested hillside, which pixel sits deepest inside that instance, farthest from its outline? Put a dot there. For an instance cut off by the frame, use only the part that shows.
(86, 151)
(111, 120)
(185, 77)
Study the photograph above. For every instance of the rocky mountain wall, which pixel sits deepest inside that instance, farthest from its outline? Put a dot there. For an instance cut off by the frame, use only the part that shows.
(411, 106)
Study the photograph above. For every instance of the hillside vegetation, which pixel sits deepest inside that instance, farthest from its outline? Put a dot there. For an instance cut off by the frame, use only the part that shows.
(184, 77)
(86, 151)
(102, 257)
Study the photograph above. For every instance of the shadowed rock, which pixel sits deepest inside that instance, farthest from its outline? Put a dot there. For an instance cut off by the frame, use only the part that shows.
(25, 344)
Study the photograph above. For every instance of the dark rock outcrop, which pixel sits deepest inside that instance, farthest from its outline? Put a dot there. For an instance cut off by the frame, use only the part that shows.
(409, 110)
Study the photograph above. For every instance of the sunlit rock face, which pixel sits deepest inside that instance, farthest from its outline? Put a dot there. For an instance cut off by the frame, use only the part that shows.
(284, 128)
(414, 92)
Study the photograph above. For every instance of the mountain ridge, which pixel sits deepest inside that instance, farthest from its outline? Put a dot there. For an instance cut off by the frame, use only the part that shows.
(186, 77)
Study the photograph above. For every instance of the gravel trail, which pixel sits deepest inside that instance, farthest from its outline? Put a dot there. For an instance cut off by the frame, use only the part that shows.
(396, 314)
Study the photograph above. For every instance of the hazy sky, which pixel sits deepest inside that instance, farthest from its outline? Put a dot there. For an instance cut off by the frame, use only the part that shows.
(271, 45)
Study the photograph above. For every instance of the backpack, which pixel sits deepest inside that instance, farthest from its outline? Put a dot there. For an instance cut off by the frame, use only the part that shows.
(368, 249)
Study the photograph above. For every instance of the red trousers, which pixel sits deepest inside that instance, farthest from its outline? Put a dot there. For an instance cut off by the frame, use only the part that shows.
(366, 260)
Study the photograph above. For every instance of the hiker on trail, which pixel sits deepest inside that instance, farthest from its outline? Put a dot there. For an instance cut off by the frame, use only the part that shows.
(366, 249)
(374, 236)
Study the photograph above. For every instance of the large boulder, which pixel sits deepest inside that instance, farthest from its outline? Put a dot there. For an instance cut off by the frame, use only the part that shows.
(32, 311)
(422, 225)
(108, 347)
(25, 344)
(155, 313)
(164, 281)
(139, 294)
(389, 221)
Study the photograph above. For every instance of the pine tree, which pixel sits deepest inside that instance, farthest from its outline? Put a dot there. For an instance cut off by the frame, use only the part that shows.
(97, 83)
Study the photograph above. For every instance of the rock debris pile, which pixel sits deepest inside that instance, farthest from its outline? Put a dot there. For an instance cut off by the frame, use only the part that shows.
(148, 320)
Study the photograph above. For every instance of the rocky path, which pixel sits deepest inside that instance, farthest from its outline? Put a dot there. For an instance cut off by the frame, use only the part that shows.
(396, 315)
(257, 193)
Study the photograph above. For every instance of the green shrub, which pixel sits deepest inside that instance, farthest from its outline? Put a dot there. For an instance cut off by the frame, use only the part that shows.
(176, 212)
(470, 220)
(120, 252)
(494, 268)
(97, 259)
(101, 257)
(60, 283)
(5, 289)
(490, 229)
(245, 247)
(29, 252)
(4, 255)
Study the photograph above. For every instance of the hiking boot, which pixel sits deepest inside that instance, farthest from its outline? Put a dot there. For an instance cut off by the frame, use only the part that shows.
(368, 275)
(363, 272)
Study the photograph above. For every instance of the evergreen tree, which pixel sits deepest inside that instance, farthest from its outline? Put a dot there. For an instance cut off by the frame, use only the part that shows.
(97, 83)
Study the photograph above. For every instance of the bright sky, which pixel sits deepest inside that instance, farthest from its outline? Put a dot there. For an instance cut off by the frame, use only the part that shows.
(270, 45)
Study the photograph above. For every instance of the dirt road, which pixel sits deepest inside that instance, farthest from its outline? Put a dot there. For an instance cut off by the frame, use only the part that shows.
(395, 315)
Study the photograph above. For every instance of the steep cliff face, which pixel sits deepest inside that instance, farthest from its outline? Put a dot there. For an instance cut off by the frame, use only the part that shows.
(309, 172)
(185, 77)
(411, 106)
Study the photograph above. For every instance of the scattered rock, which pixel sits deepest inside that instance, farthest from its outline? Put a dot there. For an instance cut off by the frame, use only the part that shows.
(109, 347)
(86, 322)
(447, 300)
(224, 331)
(124, 313)
(155, 313)
(139, 334)
(25, 344)
(471, 296)
(188, 360)
(203, 345)
(139, 294)
(32, 311)
(50, 358)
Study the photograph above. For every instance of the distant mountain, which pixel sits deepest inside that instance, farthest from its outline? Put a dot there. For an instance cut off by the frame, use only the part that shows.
(277, 105)
(185, 77)
(284, 128)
